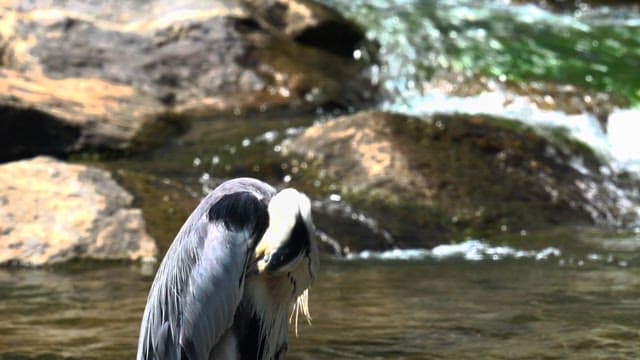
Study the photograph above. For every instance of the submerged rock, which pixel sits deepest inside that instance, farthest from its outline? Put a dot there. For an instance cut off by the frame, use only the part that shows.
(52, 212)
(110, 75)
(427, 180)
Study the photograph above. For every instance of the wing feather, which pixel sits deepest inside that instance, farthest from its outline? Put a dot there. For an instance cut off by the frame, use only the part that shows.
(214, 293)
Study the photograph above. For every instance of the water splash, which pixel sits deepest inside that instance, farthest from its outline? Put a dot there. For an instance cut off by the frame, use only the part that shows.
(472, 250)
(591, 48)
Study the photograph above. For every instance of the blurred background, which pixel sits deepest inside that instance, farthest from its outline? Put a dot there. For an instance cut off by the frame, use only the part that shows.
(473, 167)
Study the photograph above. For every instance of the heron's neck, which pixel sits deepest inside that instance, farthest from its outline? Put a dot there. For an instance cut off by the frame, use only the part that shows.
(266, 304)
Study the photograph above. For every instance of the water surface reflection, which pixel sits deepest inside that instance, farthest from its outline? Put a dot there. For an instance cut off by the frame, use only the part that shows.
(452, 309)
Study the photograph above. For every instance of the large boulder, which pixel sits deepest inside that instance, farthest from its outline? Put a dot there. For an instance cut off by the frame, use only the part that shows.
(428, 180)
(112, 74)
(52, 212)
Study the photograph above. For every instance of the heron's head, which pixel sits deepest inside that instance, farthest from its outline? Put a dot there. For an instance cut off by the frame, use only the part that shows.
(288, 242)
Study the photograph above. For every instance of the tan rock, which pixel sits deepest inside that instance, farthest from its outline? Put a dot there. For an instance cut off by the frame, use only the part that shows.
(78, 75)
(52, 212)
(430, 178)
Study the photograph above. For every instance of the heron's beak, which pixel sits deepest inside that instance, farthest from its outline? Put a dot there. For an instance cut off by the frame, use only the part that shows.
(277, 259)
(262, 255)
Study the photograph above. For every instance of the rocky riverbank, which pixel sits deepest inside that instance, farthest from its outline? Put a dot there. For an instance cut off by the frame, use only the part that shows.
(123, 75)
(171, 99)
(446, 176)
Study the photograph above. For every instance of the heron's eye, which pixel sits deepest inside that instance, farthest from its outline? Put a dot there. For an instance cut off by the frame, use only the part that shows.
(266, 257)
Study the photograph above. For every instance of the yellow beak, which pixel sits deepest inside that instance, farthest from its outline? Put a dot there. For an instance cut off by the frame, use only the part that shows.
(262, 252)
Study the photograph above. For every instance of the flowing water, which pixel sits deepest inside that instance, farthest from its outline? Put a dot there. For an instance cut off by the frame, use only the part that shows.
(553, 296)
(465, 302)
(495, 43)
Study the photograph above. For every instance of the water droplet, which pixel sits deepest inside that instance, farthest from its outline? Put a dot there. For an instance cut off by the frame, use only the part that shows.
(215, 160)
(357, 54)
(246, 142)
(196, 162)
(277, 148)
(283, 91)
(287, 178)
(335, 197)
(504, 228)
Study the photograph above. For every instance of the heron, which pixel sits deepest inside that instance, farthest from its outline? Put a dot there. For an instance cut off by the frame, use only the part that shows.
(242, 261)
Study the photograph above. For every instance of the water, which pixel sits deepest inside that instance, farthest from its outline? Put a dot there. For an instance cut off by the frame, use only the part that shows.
(582, 303)
(468, 56)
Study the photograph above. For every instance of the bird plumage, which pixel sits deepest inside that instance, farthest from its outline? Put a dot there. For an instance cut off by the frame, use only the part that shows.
(209, 298)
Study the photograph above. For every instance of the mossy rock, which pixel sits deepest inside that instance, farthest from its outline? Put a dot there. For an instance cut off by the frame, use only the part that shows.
(429, 180)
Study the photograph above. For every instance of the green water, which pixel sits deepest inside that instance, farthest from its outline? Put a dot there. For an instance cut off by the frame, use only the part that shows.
(594, 49)
(453, 309)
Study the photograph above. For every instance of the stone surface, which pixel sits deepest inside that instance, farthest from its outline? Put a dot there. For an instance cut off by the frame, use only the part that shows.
(78, 75)
(427, 180)
(573, 5)
(52, 212)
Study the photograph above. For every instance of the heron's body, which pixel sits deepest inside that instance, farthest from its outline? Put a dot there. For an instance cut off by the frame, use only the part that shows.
(227, 283)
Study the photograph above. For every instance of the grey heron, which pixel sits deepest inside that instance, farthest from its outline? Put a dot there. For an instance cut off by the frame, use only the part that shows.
(242, 261)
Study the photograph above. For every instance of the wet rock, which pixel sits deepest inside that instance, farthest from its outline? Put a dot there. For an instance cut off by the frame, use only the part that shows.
(77, 75)
(573, 5)
(545, 95)
(428, 180)
(52, 212)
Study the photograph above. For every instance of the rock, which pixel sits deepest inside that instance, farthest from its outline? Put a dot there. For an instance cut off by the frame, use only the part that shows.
(98, 75)
(573, 5)
(428, 180)
(52, 212)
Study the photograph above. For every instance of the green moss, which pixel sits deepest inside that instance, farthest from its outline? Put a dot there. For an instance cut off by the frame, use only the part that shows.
(157, 132)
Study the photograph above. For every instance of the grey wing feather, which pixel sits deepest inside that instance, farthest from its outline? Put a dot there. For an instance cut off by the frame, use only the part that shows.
(215, 291)
(199, 283)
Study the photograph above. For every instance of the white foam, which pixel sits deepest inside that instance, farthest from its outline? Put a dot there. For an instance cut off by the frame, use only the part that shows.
(619, 143)
(472, 250)
(623, 129)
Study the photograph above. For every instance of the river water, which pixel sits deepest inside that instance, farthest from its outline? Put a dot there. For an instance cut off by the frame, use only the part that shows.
(577, 302)
(554, 296)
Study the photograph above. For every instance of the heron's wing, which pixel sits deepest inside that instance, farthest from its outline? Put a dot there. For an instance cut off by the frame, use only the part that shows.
(216, 281)
(197, 286)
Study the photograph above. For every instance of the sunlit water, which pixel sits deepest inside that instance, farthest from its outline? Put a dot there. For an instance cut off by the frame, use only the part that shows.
(500, 41)
(572, 304)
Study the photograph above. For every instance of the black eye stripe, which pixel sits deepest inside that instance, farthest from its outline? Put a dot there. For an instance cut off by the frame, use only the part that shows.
(298, 243)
